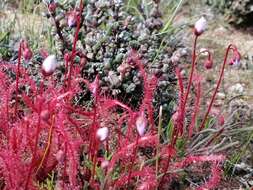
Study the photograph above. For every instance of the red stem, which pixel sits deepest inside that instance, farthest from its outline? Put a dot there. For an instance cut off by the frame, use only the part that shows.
(196, 109)
(93, 140)
(230, 47)
(94, 160)
(180, 119)
(191, 74)
(166, 166)
(65, 163)
(74, 44)
(17, 76)
(7, 109)
(34, 151)
(132, 161)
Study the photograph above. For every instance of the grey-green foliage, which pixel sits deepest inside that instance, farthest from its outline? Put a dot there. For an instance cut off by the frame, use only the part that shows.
(109, 30)
(238, 12)
(6, 29)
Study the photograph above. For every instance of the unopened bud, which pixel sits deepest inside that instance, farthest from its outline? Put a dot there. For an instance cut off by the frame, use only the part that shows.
(141, 124)
(221, 120)
(45, 115)
(72, 19)
(208, 64)
(104, 164)
(200, 26)
(59, 156)
(49, 65)
(52, 7)
(102, 133)
(27, 54)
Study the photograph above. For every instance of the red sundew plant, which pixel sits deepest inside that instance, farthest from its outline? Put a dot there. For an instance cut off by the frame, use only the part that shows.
(97, 147)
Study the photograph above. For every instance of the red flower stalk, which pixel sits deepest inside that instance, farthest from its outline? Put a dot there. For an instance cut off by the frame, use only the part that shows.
(191, 73)
(196, 109)
(71, 60)
(230, 47)
(17, 77)
(27, 54)
(179, 116)
(199, 28)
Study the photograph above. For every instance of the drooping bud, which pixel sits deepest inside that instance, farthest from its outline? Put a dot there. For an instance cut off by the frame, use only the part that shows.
(141, 124)
(94, 86)
(208, 64)
(59, 155)
(49, 65)
(104, 164)
(27, 54)
(45, 115)
(235, 61)
(67, 57)
(102, 133)
(200, 26)
(52, 7)
(221, 120)
(83, 61)
(72, 19)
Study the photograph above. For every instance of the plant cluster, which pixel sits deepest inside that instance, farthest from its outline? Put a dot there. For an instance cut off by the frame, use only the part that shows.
(108, 144)
(108, 31)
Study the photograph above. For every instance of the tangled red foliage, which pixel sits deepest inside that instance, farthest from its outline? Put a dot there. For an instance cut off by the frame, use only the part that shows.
(42, 131)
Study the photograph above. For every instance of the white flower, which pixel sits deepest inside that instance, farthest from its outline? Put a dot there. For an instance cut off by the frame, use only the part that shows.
(102, 133)
(200, 26)
(49, 65)
(203, 51)
(141, 124)
(72, 19)
(48, 1)
(59, 155)
(104, 164)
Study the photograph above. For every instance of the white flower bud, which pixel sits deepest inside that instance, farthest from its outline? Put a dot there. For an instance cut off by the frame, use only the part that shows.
(102, 133)
(72, 18)
(49, 65)
(104, 164)
(141, 124)
(59, 156)
(200, 26)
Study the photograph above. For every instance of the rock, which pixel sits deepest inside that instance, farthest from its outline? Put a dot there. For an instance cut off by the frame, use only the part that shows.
(238, 12)
(236, 89)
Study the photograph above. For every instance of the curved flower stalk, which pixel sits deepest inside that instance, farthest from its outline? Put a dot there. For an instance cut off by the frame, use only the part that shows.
(236, 57)
(179, 116)
(199, 29)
